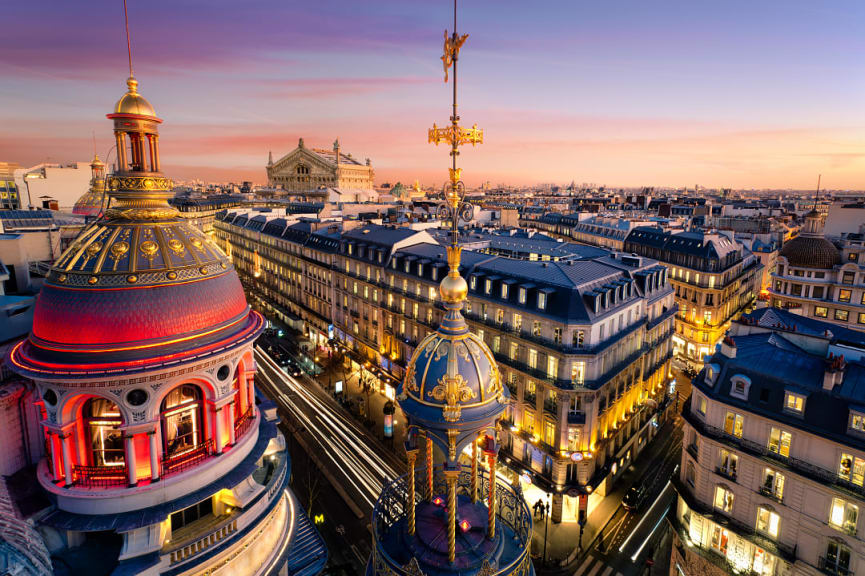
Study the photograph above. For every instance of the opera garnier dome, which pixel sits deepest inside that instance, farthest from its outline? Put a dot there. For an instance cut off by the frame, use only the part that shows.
(157, 452)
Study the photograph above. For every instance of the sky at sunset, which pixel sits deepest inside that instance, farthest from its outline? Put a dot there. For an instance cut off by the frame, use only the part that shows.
(748, 94)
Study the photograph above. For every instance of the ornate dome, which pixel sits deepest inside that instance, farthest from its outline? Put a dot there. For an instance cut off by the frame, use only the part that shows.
(140, 286)
(134, 103)
(90, 203)
(452, 384)
(811, 252)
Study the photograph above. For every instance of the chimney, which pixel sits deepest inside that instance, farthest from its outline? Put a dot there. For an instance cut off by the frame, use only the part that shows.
(834, 373)
(728, 347)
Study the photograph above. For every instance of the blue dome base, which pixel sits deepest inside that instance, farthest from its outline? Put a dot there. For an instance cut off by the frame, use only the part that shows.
(429, 544)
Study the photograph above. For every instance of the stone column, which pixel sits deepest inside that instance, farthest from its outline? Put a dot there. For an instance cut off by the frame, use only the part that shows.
(121, 151)
(56, 459)
(429, 468)
(154, 456)
(231, 431)
(217, 429)
(475, 471)
(130, 459)
(67, 458)
(451, 478)
(491, 512)
(250, 388)
(411, 455)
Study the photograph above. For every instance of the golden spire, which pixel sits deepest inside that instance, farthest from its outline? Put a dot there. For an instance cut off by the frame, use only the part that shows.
(453, 288)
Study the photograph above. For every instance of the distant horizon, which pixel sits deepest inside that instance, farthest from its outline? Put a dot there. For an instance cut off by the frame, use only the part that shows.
(742, 96)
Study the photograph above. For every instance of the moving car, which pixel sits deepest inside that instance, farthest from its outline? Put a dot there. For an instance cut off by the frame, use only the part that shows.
(634, 498)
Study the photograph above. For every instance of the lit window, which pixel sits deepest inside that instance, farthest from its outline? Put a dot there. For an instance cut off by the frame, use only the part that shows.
(844, 295)
(733, 424)
(488, 286)
(852, 469)
(701, 406)
(728, 464)
(821, 311)
(522, 295)
(181, 420)
(103, 421)
(773, 484)
(779, 442)
(857, 422)
(504, 290)
(724, 499)
(740, 386)
(842, 315)
(794, 402)
(768, 522)
(542, 300)
(843, 515)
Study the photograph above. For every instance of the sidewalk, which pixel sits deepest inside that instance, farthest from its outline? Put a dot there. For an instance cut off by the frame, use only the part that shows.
(563, 539)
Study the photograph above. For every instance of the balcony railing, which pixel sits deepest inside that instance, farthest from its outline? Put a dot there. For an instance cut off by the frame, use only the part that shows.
(390, 512)
(242, 425)
(728, 474)
(833, 568)
(816, 473)
(187, 459)
(100, 476)
(769, 492)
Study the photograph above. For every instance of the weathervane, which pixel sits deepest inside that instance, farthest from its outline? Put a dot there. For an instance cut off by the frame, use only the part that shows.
(455, 208)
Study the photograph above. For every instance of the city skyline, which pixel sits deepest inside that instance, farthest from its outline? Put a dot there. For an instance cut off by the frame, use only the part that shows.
(672, 96)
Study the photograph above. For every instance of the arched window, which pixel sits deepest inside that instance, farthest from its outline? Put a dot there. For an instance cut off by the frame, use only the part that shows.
(181, 417)
(238, 402)
(102, 421)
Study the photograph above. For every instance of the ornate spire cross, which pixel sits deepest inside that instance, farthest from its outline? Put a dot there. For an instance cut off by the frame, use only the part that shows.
(455, 208)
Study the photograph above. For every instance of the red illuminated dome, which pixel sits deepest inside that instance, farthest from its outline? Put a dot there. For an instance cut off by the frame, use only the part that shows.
(140, 286)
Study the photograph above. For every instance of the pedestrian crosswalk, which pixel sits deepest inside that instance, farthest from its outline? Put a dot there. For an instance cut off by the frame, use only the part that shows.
(595, 566)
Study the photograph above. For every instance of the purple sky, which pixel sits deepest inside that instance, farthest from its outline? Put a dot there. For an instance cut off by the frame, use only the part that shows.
(672, 93)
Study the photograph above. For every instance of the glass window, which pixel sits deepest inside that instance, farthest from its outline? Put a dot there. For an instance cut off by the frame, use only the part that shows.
(724, 499)
(779, 442)
(821, 311)
(768, 522)
(773, 483)
(552, 367)
(701, 406)
(533, 358)
(522, 295)
(817, 292)
(181, 420)
(102, 420)
(843, 515)
(838, 558)
(852, 469)
(720, 539)
(733, 424)
(542, 300)
(844, 295)
(549, 433)
(841, 315)
(857, 422)
(847, 278)
(862, 317)
(794, 402)
(728, 464)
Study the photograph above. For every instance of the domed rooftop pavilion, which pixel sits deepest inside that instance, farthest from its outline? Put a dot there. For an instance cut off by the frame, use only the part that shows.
(140, 286)
(810, 249)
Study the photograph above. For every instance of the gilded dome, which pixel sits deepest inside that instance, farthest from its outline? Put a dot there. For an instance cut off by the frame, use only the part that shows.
(805, 251)
(89, 204)
(134, 103)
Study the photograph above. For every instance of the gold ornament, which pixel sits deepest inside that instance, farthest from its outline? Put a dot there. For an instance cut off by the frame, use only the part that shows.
(451, 50)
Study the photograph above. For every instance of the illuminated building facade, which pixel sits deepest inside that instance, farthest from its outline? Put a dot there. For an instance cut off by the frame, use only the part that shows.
(310, 171)
(142, 354)
(817, 279)
(771, 478)
(715, 280)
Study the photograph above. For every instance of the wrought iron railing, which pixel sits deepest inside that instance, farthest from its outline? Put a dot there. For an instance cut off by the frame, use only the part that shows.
(511, 511)
(187, 459)
(834, 568)
(100, 476)
(242, 425)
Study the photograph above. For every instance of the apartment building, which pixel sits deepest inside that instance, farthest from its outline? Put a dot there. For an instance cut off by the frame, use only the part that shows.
(816, 278)
(772, 479)
(715, 279)
(584, 344)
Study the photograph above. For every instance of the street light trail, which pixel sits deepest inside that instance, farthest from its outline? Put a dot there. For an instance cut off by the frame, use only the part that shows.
(340, 441)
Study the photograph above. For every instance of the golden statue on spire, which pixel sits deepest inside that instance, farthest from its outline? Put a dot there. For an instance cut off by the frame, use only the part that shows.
(451, 50)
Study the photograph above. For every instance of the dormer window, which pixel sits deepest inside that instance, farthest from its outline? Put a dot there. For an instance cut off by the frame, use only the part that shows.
(712, 373)
(542, 301)
(435, 273)
(504, 291)
(739, 386)
(522, 295)
(794, 402)
(420, 269)
(488, 286)
(473, 281)
(857, 422)
(407, 266)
